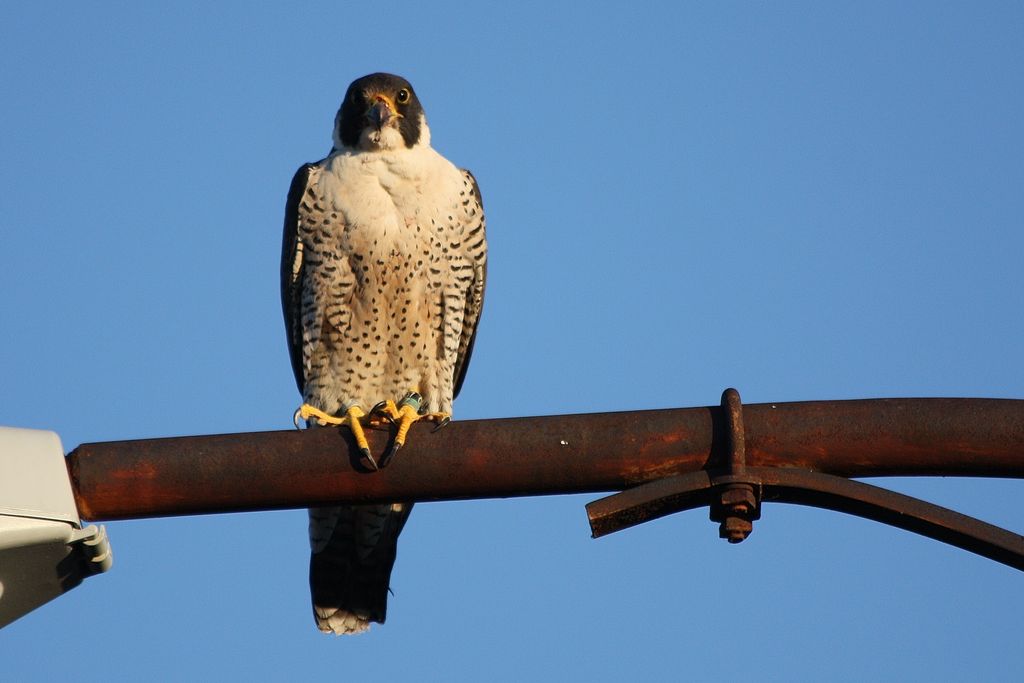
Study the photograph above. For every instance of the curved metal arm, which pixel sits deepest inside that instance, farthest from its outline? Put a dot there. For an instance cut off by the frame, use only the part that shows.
(781, 485)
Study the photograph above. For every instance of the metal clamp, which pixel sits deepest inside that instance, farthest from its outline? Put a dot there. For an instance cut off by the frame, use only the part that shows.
(736, 504)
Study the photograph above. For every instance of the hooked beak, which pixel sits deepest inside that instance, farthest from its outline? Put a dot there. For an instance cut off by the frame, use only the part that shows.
(381, 112)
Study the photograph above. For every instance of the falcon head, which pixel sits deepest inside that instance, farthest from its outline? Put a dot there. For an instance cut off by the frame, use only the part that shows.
(380, 112)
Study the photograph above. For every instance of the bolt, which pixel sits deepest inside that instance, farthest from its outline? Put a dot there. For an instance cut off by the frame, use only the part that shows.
(740, 499)
(735, 529)
(736, 509)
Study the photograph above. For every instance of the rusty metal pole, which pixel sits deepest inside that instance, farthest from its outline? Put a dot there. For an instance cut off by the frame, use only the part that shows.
(545, 455)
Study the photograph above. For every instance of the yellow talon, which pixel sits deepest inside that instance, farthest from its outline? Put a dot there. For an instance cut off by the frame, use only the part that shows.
(307, 411)
(351, 418)
(404, 415)
(386, 409)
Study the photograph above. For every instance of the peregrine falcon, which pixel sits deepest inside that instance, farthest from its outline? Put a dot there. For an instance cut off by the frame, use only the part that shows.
(382, 284)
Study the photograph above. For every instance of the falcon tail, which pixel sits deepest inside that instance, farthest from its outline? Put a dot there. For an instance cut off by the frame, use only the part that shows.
(354, 549)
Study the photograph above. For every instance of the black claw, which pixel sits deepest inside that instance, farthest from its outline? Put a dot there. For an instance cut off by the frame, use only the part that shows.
(391, 453)
(369, 456)
(295, 418)
(443, 423)
(379, 410)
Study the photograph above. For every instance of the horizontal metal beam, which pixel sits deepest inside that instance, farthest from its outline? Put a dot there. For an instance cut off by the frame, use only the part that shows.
(544, 455)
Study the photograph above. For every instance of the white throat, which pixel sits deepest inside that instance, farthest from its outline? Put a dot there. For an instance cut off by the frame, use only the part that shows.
(387, 139)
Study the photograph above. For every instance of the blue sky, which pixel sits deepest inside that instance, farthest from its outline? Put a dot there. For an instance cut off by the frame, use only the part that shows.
(802, 200)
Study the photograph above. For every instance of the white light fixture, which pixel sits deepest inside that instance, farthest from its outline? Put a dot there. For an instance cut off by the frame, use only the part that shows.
(44, 551)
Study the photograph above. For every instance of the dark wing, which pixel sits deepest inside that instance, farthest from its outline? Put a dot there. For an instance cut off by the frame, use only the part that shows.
(474, 246)
(291, 273)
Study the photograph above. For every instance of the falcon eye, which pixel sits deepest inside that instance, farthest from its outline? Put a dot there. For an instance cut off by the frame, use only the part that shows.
(403, 96)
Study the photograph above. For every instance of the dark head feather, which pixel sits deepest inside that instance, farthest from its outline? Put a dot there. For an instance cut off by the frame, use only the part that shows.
(352, 116)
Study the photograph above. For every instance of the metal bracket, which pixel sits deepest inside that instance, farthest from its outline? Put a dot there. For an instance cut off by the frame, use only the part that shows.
(735, 491)
(736, 504)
